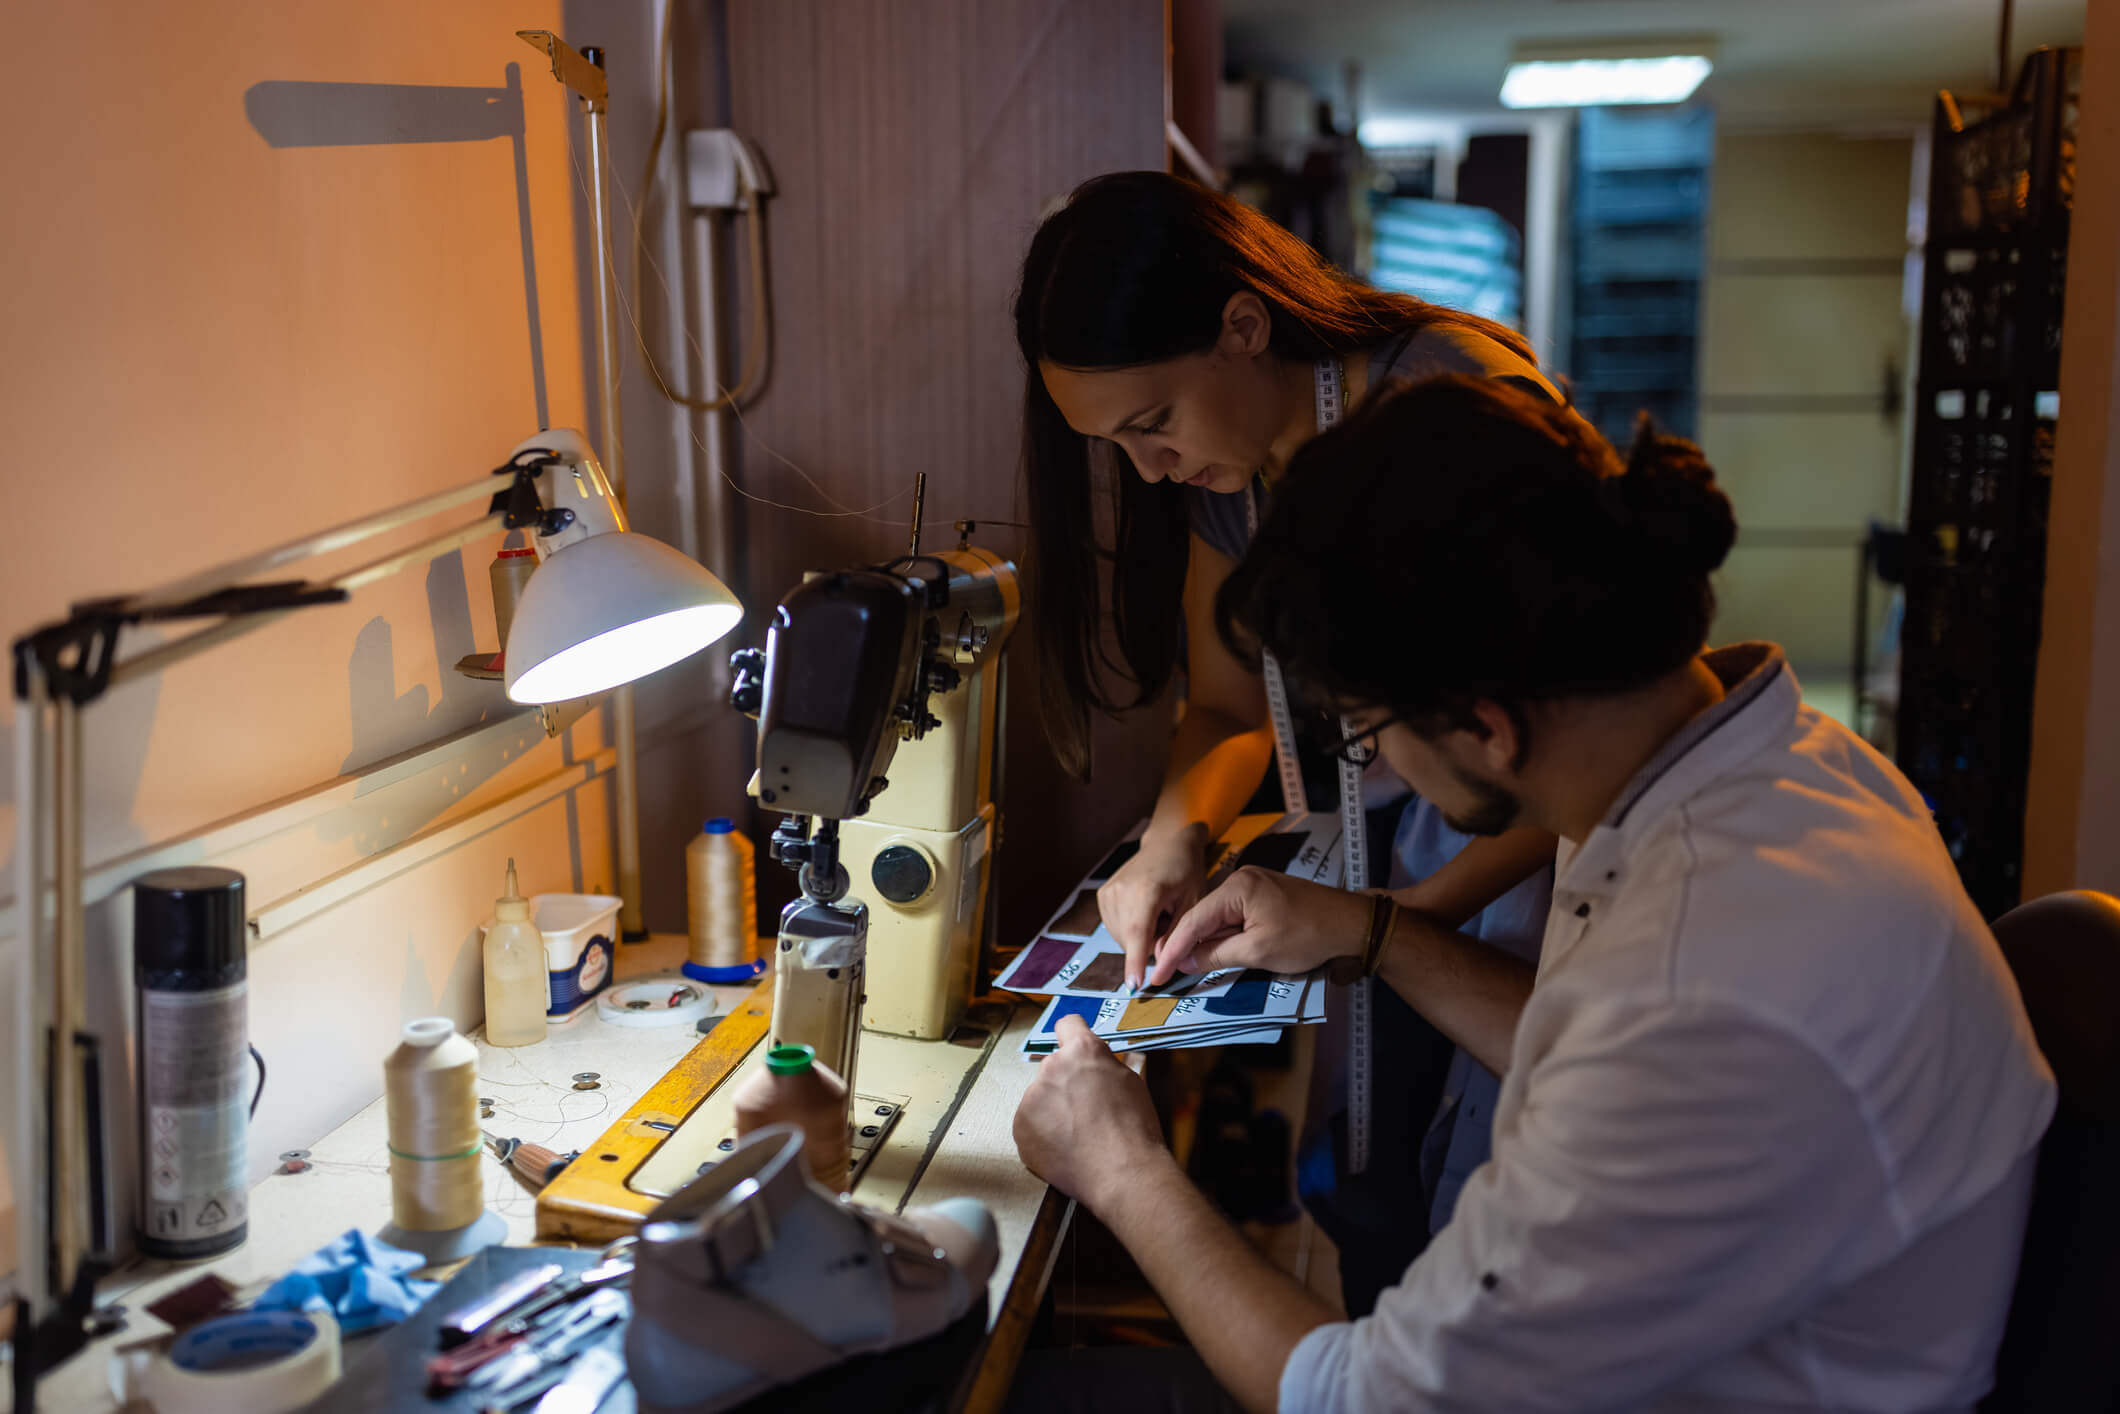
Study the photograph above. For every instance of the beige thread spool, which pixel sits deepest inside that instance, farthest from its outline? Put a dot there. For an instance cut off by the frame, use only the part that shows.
(722, 898)
(430, 1087)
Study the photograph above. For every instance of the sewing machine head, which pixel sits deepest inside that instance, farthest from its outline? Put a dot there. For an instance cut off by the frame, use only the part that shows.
(851, 666)
(841, 661)
(870, 674)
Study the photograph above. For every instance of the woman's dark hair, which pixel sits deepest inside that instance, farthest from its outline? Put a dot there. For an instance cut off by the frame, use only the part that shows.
(1458, 540)
(1137, 269)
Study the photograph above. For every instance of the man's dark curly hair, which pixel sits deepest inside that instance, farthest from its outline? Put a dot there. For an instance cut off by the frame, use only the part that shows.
(1459, 540)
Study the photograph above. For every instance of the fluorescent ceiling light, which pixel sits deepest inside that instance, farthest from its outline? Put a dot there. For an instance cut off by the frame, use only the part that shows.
(1409, 131)
(1577, 83)
(1663, 68)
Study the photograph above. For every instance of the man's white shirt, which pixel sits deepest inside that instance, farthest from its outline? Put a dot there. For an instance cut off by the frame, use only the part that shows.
(1767, 1134)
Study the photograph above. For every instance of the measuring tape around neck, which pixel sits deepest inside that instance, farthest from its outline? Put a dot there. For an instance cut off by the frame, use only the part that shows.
(1354, 836)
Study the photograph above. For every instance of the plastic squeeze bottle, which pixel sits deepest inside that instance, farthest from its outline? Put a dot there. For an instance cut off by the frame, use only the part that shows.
(796, 1089)
(517, 989)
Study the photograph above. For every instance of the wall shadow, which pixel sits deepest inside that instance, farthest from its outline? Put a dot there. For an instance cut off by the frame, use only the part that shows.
(293, 113)
(387, 723)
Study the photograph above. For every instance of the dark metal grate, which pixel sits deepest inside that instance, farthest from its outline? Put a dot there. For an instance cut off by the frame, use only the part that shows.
(1985, 406)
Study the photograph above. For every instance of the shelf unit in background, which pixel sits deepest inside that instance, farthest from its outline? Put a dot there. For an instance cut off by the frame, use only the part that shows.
(1641, 210)
(2000, 191)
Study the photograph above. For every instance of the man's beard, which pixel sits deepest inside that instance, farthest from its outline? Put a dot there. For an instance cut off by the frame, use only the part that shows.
(1494, 811)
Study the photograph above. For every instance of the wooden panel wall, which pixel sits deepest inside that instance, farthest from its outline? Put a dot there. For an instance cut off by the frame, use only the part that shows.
(915, 145)
(1196, 73)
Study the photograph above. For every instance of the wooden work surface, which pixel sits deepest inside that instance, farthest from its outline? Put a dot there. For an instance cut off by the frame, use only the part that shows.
(348, 1186)
(908, 1093)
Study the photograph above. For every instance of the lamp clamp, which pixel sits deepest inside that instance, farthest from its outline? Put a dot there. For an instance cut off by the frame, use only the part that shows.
(74, 656)
(520, 507)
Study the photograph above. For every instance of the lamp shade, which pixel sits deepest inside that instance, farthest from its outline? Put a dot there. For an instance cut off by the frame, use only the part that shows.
(609, 609)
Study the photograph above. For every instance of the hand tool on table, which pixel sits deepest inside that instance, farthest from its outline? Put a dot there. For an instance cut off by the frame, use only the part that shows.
(461, 1326)
(539, 1362)
(529, 1319)
(587, 1385)
(464, 1364)
(534, 1164)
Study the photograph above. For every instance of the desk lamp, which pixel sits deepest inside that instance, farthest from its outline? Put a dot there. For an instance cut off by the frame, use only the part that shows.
(605, 606)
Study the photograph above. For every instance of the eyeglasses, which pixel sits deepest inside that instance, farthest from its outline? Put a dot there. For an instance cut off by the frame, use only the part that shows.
(1328, 734)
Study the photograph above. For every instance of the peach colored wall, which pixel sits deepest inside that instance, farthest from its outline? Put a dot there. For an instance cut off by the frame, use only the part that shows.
(214, 344)
(239, 306)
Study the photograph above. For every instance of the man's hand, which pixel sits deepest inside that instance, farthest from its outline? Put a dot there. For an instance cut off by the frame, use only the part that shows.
(1086, 1127)
(1151, 891)
(1086, 1122)
(1262, 919)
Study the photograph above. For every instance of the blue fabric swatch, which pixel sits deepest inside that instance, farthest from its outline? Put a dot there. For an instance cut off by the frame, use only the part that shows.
(1247, 997)
(1084, 1007)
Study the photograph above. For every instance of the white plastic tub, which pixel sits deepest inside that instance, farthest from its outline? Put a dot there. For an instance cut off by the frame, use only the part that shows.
(581, 939)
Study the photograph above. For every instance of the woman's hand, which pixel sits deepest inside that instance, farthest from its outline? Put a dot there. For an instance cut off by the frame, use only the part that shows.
(1259, 918)
(1151, 892)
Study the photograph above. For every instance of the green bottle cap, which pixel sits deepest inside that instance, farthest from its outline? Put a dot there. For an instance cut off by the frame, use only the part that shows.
(790, 1060)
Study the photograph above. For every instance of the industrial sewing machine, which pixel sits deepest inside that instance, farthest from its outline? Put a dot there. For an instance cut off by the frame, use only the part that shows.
(878, 698)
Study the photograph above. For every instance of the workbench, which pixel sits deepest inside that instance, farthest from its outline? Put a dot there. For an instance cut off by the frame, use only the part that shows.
(346, 1181)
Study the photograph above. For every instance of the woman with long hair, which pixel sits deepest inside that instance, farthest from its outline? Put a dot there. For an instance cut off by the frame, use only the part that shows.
(1179, 347)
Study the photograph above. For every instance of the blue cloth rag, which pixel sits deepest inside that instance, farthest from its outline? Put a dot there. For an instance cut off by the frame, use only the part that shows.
(364, 1282)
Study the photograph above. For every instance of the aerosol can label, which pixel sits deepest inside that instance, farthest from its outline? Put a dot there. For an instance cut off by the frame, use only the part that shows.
(195, 1099)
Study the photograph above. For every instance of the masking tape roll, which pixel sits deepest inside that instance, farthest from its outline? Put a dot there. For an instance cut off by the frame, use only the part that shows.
(258, 1362)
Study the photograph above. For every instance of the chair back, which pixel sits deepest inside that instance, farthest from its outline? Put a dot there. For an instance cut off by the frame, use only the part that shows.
(2061, 1350)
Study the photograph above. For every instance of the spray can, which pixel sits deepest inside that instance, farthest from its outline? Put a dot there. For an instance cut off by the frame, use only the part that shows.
(190, 971)
(721, 892)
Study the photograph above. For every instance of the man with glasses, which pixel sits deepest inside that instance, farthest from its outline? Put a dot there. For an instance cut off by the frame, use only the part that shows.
(1769, 1117)
(1411, 1064)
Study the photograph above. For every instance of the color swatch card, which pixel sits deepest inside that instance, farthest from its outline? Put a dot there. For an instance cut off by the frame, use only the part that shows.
(1076, 955)
(1253, 1009)
(1095, 966)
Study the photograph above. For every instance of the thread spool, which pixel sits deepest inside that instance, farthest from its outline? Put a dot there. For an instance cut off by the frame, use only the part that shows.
(437, 1190)
(722, 898)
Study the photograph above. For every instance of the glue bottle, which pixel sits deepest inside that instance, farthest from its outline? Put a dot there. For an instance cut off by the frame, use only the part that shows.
(517, 987)
(794, 1088)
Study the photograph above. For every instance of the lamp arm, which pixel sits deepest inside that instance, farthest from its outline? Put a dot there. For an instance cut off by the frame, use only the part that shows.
(156, 660)
(573, 493)
(353, 532)
(582, 492)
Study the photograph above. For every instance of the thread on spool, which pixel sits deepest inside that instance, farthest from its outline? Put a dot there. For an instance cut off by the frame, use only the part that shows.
(723, 905)
(430, 1086)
